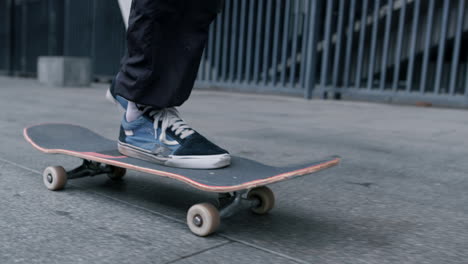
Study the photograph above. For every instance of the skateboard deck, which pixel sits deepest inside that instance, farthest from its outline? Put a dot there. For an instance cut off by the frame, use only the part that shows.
(242, 174)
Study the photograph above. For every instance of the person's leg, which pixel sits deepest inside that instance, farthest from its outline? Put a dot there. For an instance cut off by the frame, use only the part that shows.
(165, 43)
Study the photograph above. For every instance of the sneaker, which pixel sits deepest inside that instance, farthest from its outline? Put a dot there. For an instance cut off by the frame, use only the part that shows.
(161, 136)
(116, 99)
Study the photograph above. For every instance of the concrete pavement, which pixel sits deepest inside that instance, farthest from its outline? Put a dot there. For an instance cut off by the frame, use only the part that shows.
(399, 196)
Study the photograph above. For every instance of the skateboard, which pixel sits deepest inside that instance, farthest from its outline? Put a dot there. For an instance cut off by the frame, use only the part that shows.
(240, 185)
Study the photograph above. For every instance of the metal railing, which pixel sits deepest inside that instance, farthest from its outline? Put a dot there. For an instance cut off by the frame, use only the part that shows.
(390, 50)
(261, 46)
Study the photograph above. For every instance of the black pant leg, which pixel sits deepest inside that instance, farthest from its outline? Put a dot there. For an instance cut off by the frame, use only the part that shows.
(165, 41)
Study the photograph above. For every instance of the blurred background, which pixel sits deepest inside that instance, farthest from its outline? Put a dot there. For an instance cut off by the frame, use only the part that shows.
(390, 50)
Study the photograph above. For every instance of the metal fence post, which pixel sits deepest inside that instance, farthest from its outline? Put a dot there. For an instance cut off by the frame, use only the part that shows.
(311, 61)
(241, 44)
(233, 42)
(284, 55)
(427, 46)
(338, 46)
(256, 69)
(456, 50)
(399, 45)
(386, 45)
(217, 56)
(349, 44)
(412, 45)
(326, 46)
(266, 42)
(373, 48)
(441, 49)
(362, 38)
(276, 40)
(250, 46)
(292, 78)
(225, 41)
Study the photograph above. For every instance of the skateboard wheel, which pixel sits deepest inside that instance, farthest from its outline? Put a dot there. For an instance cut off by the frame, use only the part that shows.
(116, 173)
(55, 178)
(266, 198)
(203, 219)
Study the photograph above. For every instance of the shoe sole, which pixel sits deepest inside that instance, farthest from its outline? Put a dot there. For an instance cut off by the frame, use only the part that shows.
(186, 162)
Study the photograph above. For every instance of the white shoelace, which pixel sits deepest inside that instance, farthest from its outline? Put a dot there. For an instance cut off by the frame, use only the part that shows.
(169, 117)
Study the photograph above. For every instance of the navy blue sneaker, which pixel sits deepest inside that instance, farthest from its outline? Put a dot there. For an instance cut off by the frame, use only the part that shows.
(161, 136)
(116, 99)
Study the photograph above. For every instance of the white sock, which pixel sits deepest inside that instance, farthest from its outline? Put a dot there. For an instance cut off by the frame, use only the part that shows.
(132, 113)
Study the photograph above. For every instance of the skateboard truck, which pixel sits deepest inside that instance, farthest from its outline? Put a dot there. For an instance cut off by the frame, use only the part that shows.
(89, 168)
(236, 203)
